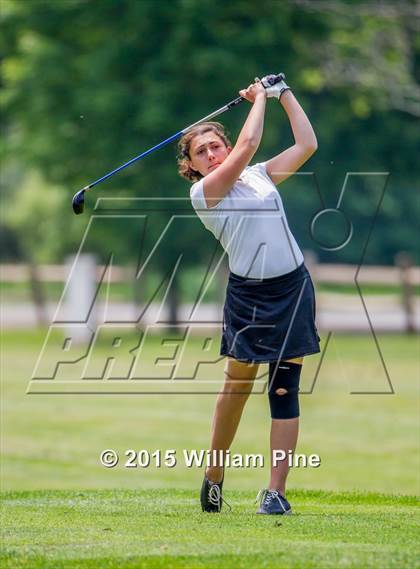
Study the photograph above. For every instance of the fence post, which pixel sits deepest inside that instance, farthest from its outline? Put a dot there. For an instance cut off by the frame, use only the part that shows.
(311, 261)
(404, 263)
(80, 295)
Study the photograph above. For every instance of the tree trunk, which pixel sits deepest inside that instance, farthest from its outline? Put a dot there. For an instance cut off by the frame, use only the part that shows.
(404, 262)
(173, 302)
(37, 294)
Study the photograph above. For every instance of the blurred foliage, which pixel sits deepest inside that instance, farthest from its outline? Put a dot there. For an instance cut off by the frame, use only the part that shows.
(40, 239)
(89, 84)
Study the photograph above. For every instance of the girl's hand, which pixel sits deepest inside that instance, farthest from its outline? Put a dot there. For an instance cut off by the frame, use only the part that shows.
(253, 91)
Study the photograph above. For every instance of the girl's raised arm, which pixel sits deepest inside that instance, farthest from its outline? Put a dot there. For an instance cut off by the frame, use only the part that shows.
(288, 162)
(219, 182)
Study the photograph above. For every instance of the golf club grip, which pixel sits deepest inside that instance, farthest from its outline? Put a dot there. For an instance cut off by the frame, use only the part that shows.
(235, 102)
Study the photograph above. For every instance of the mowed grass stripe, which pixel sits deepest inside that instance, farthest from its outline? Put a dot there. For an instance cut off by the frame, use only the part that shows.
(111, 529)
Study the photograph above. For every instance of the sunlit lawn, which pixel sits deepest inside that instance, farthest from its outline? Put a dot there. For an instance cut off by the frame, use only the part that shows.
(62, 509)
(365, 441)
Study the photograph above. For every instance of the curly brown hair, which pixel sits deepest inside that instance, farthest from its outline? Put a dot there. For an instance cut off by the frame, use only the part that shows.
(184, 146)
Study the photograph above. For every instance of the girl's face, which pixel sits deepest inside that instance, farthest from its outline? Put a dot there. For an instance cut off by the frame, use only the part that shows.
(207, 152)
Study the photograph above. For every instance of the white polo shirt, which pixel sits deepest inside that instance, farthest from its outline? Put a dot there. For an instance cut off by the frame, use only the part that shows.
(251, 225)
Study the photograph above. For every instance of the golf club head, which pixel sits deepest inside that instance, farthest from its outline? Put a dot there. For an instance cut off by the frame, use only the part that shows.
(78, 202)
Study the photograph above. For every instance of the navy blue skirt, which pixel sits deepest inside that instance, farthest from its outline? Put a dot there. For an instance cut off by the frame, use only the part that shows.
(266, 320)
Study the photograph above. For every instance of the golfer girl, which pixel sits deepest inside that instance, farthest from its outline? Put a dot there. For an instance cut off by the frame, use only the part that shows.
(269, 311)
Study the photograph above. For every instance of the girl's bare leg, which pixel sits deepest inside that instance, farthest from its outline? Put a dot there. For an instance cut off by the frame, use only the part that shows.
(239, 379)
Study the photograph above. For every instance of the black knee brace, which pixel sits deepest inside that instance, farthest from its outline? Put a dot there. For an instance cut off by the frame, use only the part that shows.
(283, 389)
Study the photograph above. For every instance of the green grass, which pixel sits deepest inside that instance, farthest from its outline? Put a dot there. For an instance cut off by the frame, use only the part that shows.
(164, 528)
(61, 507)
(366, 442)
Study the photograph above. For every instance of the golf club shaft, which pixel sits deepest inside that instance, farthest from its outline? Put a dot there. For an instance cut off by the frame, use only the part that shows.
(214, 114)
(167, 141)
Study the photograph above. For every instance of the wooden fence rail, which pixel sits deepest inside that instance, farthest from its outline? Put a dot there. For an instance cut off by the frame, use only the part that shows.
(321, 273)
(403, 275)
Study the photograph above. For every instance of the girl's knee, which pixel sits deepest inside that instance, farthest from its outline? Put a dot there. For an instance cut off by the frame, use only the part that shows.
(238, 387)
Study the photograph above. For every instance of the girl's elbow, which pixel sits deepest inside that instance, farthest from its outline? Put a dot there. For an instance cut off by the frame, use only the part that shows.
(312, 146)
(308, 147)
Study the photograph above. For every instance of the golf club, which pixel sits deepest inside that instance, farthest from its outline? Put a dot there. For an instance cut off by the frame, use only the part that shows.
(79, 197)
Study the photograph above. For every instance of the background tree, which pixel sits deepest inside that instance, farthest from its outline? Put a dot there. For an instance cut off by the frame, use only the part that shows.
(87, 85)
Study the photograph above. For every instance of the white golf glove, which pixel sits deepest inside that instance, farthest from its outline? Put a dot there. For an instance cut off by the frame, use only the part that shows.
(275, 90)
